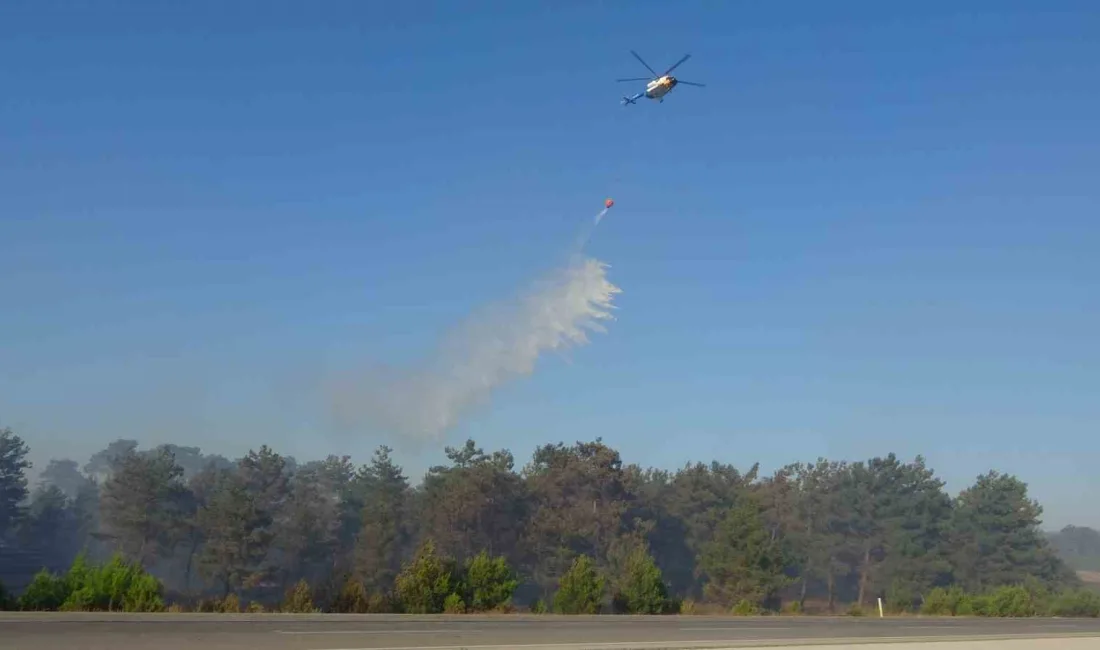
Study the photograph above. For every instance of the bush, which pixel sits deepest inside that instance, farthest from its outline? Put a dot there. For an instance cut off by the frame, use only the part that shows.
(423, 585)
(794, 608)
(643, 590)
(855, 610)
(490, 583)
(580, 590)
(231, 604)
(745, 607)
(143, 595)
(1078, 603)
(975, 606)
(943, 602)
(688, 607)
(454, 604)
(46, 593)
(116, 586)
(255, 607)
(1012, 602)
(228, 605)
(352, 598)
(299, 599)
(901, 597)
(539, 606)
(379, 604)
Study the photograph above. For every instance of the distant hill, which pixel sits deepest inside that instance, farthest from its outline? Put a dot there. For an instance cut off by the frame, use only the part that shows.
(1079, 547)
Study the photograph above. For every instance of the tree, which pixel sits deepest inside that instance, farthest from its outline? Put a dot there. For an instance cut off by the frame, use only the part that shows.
(65, 475)
(489, 582)
(100, 465)
(578, 501)
(1078, 546)
(996, 536)
(424, 584)
(581, 589)
(265, 480)
(916, 550)
(308, 539)
(52, 525)
(13, 479)
(817, 539)
(378, 547)
(143, 504)
(237, 533)
(893, 519)
(698, 497)
(475, 504)
(642, 590)
(743, 562)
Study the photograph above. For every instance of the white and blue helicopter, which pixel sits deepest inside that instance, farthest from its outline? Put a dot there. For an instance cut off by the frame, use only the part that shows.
(660, 84)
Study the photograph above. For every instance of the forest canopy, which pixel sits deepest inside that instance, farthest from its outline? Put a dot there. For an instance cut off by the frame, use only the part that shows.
(574, 527)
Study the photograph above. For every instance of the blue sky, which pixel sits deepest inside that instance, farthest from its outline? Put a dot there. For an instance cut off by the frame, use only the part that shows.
(875, 230)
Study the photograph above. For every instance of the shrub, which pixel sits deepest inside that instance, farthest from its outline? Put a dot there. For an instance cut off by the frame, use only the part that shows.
(143, 594)
(299, 599)
(1077, 603)
(255, 607)
(228, 605)
(688, 607)
(379, 604)
(975, 606)
(539, 606)
(175, 608)
(794, 607)
(643, 590)
(490, 583)
(901, 597)
(580, 590)
(117, 585)
(424, 583)
(943, 602)
(46, 593)
(855, 610)
(352, 598)
(231, 604)
(454, 604)
(1012, 602)
(745, 607)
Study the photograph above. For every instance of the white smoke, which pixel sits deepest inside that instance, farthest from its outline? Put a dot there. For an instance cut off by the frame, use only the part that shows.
(502, 344)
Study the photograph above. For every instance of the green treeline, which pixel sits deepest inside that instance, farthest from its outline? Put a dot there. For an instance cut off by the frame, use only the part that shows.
(575, 530)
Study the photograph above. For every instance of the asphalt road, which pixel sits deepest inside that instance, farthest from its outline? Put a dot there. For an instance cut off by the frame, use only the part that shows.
(332, 632)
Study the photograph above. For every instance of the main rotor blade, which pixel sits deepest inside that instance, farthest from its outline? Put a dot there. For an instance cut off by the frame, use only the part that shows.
(690, 83)
(635, 79)
(644, 63)
(677, 64)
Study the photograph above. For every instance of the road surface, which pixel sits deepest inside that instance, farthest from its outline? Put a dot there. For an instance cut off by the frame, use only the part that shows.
(352, 632)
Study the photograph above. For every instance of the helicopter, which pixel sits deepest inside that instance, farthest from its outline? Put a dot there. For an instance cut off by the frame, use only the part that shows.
(660, 84)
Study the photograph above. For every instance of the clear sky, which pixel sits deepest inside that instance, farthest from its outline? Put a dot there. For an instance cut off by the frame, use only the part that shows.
(875, 230)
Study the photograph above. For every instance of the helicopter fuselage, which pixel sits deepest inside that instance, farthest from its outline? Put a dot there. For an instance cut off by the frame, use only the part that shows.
(660, 87)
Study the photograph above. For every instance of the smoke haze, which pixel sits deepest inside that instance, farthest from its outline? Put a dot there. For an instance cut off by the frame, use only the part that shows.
(502, 344)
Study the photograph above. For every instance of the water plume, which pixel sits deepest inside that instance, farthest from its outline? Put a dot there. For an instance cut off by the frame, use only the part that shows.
(499, 345)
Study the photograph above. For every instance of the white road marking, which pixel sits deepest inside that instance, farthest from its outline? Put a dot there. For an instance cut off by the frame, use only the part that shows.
(734, 628)
(722, 644)
(378, 631)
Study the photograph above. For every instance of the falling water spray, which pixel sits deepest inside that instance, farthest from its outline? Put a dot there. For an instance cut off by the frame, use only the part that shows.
(498, 345)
